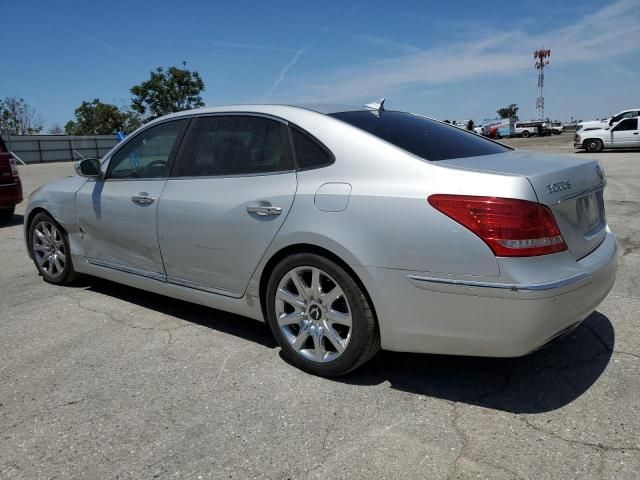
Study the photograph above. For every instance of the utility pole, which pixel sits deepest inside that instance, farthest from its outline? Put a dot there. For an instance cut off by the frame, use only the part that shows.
(542, 61)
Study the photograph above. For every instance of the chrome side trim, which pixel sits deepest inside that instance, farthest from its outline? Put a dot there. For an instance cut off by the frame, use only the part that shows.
(204, 287)
(123, 268)
(514, 287)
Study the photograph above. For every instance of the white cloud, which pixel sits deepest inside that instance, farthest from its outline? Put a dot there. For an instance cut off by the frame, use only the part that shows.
(609, 32)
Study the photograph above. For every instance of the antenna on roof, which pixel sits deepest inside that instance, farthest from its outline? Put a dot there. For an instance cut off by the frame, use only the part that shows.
(377, 106)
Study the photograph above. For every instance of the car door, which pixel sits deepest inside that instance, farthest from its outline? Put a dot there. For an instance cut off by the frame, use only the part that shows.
(625, 134)
(117, 215)
(230, 191)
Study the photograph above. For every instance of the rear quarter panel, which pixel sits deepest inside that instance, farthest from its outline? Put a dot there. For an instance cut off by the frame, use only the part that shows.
(388, 222)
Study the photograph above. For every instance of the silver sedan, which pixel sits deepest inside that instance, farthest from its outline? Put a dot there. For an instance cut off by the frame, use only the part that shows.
(347, 229)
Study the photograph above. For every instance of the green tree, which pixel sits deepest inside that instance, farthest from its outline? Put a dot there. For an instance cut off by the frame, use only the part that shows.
(97, 118)
(509, 112)
(19, 118)
(167, 91)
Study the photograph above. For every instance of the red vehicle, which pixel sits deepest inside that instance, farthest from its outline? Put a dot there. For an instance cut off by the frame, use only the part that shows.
(10, 184)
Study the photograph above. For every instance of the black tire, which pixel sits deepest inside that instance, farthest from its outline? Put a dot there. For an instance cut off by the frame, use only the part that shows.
(525, 134)
(593, 145)
(6, 214)
(364, 340)
(58, 277)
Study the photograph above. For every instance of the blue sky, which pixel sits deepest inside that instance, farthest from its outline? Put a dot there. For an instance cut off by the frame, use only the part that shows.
(455, 59)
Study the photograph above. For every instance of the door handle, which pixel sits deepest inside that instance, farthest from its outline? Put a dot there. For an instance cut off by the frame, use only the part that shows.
(143, 198)
(264, 210)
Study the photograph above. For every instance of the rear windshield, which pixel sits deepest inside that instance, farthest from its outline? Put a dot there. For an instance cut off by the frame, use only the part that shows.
(421, 136)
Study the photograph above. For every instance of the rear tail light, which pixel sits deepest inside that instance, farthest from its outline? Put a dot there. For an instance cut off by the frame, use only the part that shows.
(14, 167)
(510, 227)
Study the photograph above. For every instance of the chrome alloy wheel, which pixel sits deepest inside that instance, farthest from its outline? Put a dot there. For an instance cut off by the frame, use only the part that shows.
(48, 249)
(313, 314)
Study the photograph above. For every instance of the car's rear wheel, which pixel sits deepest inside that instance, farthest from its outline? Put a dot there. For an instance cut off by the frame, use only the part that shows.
(593, 145)
(320, 316)
(50, 250)
(6, 214)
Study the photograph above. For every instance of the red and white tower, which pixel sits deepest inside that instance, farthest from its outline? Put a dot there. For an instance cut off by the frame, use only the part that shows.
(542, 61)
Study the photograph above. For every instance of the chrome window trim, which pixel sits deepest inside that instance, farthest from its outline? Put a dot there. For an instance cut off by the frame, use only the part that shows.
(234, 113)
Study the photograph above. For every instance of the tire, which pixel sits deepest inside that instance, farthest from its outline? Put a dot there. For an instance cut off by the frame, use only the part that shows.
(525, 134)
(321, 330)
(49, 248)
(593, 145)
(6, 214)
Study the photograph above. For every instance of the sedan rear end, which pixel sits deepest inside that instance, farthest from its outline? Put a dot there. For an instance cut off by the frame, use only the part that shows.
(10, 184)
(516, 249)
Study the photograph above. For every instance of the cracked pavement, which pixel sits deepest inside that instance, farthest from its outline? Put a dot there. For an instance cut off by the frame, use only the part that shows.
(104, 381)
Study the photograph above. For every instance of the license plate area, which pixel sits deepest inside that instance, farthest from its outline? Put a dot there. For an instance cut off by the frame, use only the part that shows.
(590, 214)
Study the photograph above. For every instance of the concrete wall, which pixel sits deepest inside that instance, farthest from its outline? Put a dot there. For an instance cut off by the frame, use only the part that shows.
(59, 148)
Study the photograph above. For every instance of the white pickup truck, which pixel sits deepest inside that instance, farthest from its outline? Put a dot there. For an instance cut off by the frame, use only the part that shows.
(598, 124)
(624, 134)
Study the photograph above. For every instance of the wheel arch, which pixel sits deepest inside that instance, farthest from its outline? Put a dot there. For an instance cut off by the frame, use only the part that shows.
(292, 249)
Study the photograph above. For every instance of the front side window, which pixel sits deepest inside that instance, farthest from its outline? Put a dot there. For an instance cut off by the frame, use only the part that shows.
(146, 155)
(234, 145)
(625, 125)
(426, 138)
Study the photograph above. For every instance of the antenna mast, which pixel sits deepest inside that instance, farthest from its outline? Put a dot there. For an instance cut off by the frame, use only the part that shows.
(542, 61)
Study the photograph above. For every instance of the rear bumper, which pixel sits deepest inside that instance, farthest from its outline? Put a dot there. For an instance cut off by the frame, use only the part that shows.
(420, 313)
(10, 194)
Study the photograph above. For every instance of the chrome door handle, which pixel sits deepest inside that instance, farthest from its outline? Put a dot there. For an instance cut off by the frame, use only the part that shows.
(264, 210)
(143, 198)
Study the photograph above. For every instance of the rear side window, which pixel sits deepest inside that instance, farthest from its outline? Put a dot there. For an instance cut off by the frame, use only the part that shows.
(235, 145)
(309, 154)
(421, 136)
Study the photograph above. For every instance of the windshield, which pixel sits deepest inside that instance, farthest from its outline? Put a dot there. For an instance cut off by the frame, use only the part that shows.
(421, 136)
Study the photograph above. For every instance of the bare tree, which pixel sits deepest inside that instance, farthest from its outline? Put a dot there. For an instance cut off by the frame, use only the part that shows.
(18, 117)
(56, 129)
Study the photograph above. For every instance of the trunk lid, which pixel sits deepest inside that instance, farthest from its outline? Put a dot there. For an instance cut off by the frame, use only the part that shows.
(571, 187)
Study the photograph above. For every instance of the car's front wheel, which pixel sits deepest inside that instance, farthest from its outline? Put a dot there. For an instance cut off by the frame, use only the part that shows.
(50, 250)
(593, 145)
(320, 316)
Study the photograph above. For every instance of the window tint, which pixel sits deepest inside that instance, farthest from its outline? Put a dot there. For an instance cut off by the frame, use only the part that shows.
(309, 154)
(421, 136)
(235, 145)
(146, 155)
(628, 124)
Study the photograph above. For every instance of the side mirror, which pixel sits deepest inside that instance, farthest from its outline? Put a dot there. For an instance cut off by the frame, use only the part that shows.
(610, 121)
(88, 167)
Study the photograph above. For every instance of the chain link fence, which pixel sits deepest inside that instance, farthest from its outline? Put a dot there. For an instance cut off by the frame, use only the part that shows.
(58, 148)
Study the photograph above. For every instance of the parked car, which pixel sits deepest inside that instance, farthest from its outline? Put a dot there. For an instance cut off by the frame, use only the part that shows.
(10, 184)
(347, 229)
(556, 128)
(624, 134)
(600, 124)
(525, 129)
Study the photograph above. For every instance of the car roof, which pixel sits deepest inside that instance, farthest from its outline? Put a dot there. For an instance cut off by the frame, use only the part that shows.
(270, 108)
